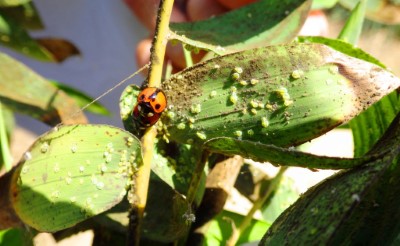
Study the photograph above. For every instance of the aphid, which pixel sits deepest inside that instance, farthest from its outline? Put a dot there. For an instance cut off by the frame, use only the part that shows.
(151, 102)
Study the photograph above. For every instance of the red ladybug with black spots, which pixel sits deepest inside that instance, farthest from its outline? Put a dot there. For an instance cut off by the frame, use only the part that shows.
(151, 102)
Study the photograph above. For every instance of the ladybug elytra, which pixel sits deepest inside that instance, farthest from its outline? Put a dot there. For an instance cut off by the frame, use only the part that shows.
(151, 102)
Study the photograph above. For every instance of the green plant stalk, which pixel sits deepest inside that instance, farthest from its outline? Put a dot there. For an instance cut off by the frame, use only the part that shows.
(168, 70)
(154, 80)
(236, 232)
(197, 174)
(5, 151)
(188, 57)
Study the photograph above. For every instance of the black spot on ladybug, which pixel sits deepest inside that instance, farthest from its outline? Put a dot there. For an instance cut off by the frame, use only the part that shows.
(158, 106)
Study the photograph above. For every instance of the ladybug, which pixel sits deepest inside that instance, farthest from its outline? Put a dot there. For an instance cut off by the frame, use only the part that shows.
(151, 102)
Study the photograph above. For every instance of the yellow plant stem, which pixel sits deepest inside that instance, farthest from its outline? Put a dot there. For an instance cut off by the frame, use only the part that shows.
(154, 80)
(159, 43)
(236, 232)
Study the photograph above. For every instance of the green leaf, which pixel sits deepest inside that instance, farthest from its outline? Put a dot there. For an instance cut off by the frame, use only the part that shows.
(174, 164)
(167, 206)
(262, 23)
(285, 195)
(164, 204)
(282, 156)
(82, 99)
(281, 95)
(127, 102)
(5, 153)
(356, 207)
(352, 29)
(366, 213)
(14, 36)
(342, 47)
(221, 228)
(26, 15)
(73, 173)
(323, 4)
(10, 3)
(15, 237)
(23, 90)
(369, 126)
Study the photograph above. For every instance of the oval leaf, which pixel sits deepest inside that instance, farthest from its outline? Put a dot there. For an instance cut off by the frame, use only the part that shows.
(282, 95)
(35, 96)
(72, 174)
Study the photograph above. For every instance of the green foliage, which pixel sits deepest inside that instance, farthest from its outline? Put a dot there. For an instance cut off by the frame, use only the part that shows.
(82, 99)
(14, 237)
(265, 95)
(45, 102)
(367, 211)
(262, 23)
(254, 103)
(100, 161)
(221, 228)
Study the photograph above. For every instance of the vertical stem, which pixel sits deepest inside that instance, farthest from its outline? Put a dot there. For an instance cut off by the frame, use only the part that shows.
(197, 174)
(188, 57)
(5, 151)
(159, 43)
(154, 80)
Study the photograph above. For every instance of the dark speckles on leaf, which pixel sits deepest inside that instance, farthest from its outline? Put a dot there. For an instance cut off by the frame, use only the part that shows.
(44, 177)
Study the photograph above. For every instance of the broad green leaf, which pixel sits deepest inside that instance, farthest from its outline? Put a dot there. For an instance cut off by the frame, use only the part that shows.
(282, 156)
(366, 213)
(23, 90)
(164, 219)
(82, 99)
(15, 237)
(352, 29)
(342, 47)
(378, 10)
(14, 36)
(356, 207)
(262, 23)
(281, 95)
(73, 173)
(220, 229)
(174, 164)
(25, 15)
(10, 3)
